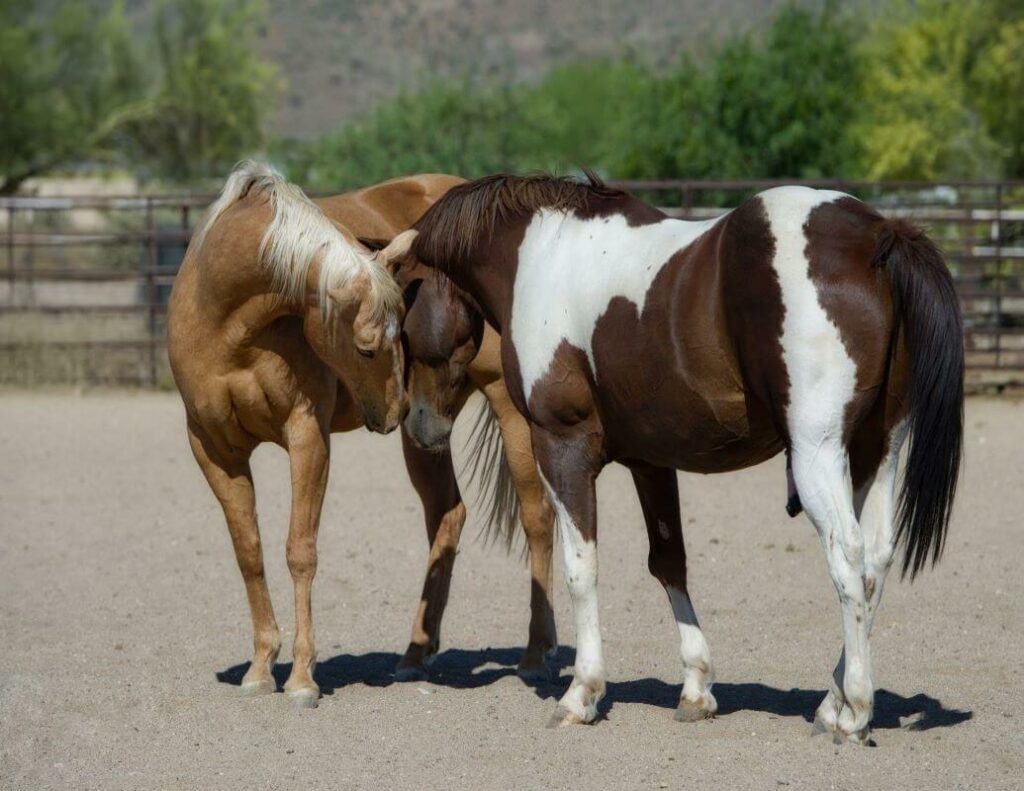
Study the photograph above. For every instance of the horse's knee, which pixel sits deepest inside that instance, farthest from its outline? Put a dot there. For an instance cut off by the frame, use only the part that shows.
(667, 568)
(538, 523)
(301, 556)
(581, 569)
(249, 555)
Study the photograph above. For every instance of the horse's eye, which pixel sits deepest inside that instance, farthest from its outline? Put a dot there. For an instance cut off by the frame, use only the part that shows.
(367, 353)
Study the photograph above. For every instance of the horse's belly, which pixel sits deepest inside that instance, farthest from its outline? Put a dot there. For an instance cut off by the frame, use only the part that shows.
(695, 417)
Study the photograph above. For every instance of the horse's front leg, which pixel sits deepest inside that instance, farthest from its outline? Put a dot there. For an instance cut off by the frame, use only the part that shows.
(568, 469)
(658, 490)
(230, 478)
(539, 526)
(308, 444)
(433, 477)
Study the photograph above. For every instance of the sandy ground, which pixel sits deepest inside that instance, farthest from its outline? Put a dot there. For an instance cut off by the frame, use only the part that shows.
(125, 630)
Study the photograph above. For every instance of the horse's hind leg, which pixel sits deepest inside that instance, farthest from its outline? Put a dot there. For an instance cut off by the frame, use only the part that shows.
(433, 477)
(539, 525)
(875, 506)
(659, 497)
(231, 482)
(821, 469)
(308, 453)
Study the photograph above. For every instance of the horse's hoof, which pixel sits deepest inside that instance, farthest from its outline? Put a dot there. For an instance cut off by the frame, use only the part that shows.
(304, 697)
(410, 673)
(693, 711)
(257, 687)
(534, 673)
(563, 717)
(860, 738)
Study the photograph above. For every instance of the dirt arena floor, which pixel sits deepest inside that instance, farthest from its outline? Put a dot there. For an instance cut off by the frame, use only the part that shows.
(125, 630)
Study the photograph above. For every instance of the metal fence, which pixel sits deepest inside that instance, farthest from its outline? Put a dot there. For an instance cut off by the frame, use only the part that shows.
(84, 292)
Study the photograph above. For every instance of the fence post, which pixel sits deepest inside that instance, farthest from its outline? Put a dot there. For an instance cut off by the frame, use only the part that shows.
(151, 288)
(686, 199)
(10, 254)
(1000, 275)
(185, 236)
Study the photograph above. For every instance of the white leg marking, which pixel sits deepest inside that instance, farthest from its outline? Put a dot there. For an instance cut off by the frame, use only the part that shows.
(580, 557)
(877, 522)
(698, 674)
(823, 480)
(877, 513)
(822, 378)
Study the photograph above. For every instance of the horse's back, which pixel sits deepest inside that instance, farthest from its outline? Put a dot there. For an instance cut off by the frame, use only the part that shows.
(382, 210)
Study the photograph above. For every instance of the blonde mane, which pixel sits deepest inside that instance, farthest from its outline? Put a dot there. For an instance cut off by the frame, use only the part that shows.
(299, 234)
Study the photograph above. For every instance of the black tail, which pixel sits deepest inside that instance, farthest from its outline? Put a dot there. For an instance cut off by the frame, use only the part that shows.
(928, 314)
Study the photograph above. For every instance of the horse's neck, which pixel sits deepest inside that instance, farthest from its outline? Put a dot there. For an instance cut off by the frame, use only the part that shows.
(248, 302)
(491, 288)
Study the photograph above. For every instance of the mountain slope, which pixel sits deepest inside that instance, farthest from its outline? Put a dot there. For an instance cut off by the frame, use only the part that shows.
(341, 57)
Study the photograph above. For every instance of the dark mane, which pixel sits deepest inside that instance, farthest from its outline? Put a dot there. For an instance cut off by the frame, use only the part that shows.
(466, 213)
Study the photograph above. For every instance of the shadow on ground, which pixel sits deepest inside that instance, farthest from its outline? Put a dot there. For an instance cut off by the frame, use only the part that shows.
(462, 669)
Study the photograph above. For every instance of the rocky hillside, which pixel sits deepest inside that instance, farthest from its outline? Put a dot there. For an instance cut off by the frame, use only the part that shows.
(340, 57)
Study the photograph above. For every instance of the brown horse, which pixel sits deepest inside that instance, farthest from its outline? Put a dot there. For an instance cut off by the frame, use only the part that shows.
(294, 337)
(800, 321)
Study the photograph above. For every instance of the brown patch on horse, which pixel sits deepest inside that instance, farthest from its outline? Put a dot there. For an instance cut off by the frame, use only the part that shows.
(696, 389)
(841, 239)
(754, 312)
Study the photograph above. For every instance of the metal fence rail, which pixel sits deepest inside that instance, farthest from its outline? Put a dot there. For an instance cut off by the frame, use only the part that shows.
(84, 286)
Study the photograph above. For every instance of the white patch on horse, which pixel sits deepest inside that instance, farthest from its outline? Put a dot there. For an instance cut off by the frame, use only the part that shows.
(698, 675)
(822, 382)
(822, 376)
(570, 269)
(663, 530)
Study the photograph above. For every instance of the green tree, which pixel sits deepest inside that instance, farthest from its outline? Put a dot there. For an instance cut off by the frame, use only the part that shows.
(446, 127)
(68, 84)
(788, 105)
(942, 94)
(212, 91)
(997, 86)
(777, 108)
(573, 117)
(670, 130)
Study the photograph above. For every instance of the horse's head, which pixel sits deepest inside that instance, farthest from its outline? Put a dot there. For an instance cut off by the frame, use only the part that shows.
(359, 337)
(442, 334)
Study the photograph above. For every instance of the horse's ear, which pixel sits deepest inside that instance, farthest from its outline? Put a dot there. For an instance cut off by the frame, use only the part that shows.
(398, 252)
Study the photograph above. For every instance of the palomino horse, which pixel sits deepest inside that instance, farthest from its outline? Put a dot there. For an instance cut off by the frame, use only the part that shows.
(800, 321)
(255, 362)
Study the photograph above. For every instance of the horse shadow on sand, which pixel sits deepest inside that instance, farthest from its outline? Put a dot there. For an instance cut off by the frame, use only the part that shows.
(464, 669)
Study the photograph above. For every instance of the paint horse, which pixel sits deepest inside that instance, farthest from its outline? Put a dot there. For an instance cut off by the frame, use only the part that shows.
(801, 321)
(282, 327)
